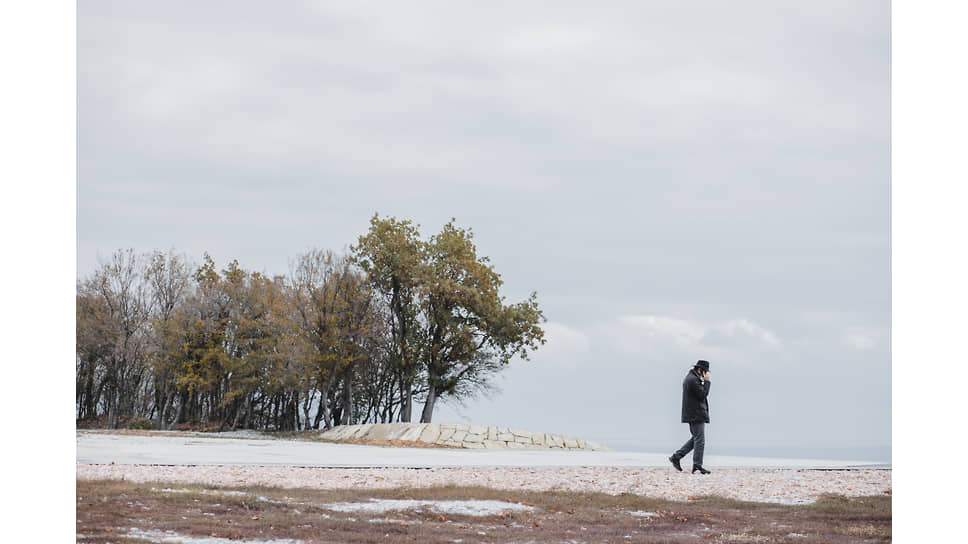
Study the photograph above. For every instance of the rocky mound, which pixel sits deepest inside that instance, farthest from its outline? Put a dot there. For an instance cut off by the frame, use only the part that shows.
(455, 435)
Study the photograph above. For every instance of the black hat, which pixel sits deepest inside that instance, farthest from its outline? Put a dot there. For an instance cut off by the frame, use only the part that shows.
(703, 365)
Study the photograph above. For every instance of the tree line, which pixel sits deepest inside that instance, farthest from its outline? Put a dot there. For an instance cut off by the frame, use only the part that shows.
(342, 339)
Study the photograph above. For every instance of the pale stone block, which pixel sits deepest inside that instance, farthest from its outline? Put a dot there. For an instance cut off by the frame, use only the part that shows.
(519, 432)
(463, 427)
(571, 443)
(557, 441)
(492, 433)
(474, 445)
(345, 432)
(340, 433)
(515, 446)
(446, 432)
(538, 439)
(337, 433)
(505, 437)
(379, 431)
(477, 429)
(495, 444)
(413, 433)
(396, 432)
(474, 438)
(522, 439)
(431, 433)
(459, 435)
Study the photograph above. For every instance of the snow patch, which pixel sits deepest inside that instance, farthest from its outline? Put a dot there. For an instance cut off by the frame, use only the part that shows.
(640, 514)
(465, 508)
(784, 500)
(171, 537)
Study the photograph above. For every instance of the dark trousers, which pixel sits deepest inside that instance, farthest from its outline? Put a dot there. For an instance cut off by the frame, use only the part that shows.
(696, 443)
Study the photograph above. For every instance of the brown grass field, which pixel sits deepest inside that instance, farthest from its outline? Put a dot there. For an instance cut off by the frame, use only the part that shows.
(107, 510)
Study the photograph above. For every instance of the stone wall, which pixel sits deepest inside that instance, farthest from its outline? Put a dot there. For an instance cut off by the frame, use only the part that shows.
(459, 435)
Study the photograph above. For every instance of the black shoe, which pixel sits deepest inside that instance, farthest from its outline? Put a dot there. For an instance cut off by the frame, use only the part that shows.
(700, 469)
(675, 463)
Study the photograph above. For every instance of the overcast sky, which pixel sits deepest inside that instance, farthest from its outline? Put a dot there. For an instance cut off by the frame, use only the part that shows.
(676, 181)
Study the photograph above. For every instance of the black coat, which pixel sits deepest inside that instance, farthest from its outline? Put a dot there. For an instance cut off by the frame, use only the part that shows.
(695, 407)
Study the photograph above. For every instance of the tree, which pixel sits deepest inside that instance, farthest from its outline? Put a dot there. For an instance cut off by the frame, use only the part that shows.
(94, 344)
(343, 339)
(234, 331)
(469, 334)
(111, 337)
(336, 312)
(449, 324)
(169, 282)
(391, 254)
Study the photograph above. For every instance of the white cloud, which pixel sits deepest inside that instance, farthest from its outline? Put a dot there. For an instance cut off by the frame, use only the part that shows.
(738, 332)
(564, 345)
(861, 338)
(552, 37)
(679, 331)
(731, 340)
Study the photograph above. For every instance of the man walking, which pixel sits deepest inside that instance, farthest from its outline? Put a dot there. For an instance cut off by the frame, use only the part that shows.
(695, 412)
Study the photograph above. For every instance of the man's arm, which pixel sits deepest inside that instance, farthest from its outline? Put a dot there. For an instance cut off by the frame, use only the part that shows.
(700, 388)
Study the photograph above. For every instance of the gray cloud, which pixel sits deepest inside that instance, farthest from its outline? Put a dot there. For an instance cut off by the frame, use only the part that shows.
(713, 163)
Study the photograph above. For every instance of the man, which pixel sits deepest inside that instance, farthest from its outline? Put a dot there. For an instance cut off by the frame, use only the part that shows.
(695, 412)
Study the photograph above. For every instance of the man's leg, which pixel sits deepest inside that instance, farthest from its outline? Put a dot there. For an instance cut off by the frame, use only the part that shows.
(686, 448)
(698, 440)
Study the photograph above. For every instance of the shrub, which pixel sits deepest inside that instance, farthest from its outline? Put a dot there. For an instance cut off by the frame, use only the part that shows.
(142, 424)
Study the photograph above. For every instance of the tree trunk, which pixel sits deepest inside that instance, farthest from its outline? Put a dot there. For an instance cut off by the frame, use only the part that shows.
(248, 410)
(238, 413)
(182, 408)
(323, 412)
(428, 409)
(406, 393)
(113, 416)
(347, 418)
(307, 405)
(162, 403)
(275, 412)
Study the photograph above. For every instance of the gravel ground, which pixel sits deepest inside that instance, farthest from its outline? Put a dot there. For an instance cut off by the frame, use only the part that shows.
(787, 486)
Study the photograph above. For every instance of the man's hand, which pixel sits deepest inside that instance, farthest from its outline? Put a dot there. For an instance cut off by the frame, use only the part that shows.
(705, 375)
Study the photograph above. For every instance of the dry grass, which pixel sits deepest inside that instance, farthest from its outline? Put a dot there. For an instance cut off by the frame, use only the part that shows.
(868, 531)
(309, 436)
(107, 509)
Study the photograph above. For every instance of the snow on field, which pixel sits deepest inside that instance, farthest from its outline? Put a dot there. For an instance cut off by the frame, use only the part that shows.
(299, 464)
(171, 537)
(465, 508)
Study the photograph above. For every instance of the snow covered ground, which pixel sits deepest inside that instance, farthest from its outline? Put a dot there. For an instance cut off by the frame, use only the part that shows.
(101, 448)
(250, 461)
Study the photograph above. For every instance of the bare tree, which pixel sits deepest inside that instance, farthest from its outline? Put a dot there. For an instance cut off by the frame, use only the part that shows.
(112, 333)
(169, 281)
